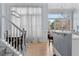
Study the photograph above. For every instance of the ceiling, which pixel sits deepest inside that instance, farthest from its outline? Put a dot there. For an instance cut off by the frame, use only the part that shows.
(62, 7)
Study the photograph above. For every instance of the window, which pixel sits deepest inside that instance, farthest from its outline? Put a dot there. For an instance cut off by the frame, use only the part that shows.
(59, 21)
(28, 18)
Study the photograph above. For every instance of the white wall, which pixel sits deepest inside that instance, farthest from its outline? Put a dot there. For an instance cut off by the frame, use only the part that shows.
(76, 20)
(63, 5)
(0, 21)
(3, 19)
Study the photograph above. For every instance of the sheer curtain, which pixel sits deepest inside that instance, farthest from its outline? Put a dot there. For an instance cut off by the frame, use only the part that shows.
(30, 20)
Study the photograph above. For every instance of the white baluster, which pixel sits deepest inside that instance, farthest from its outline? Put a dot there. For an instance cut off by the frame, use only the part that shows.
(8, 36)
(23, 44)
(16, 36)
(11, 40)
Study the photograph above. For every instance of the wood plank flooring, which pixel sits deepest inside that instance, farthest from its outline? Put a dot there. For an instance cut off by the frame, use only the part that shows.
(39, 49)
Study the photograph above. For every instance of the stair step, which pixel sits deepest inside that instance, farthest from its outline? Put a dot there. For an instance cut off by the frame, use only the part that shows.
(9, 51)
(4, 52)
(2, 49)
(7, 54)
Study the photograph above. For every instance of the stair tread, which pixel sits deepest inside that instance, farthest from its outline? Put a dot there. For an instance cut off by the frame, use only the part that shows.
(1, 49)
(10, 54)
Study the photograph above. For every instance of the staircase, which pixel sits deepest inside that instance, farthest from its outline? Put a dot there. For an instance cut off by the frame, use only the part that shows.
(5, 51)
(13, 43)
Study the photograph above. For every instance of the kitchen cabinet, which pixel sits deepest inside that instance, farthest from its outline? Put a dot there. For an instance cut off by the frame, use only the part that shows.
(75, 45)
(63, 43)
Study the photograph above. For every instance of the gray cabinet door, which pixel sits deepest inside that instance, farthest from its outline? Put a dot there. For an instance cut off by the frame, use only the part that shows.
(62, 42)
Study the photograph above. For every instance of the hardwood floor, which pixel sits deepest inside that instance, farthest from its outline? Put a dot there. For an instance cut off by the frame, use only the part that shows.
(39, 49)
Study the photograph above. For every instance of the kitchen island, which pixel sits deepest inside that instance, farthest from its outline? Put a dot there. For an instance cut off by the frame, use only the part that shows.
(62, 42)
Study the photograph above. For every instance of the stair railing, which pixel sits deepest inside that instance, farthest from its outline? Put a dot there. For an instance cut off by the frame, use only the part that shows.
(16, 37)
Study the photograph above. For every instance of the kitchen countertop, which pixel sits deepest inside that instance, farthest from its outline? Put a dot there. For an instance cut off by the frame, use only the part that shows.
(60, 31)
(74, 36)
